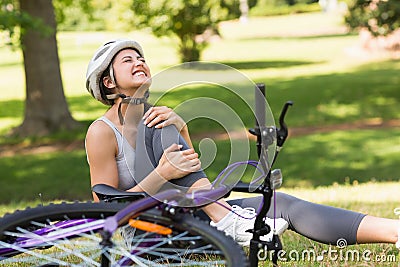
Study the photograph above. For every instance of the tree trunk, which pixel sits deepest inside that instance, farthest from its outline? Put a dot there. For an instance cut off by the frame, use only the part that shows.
(189, 49)
(46, 109)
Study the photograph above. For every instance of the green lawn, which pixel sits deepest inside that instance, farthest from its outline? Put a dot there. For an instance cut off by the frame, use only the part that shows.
(314, 64)
(378, 199)
(305, 58)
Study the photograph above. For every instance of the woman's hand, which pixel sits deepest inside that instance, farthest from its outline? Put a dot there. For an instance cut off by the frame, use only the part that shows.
(162, 116)
(176, 163)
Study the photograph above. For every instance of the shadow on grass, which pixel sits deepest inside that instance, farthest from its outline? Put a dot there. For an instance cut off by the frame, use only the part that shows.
(243, 65)
(14, 109)
(372, 89)
(343, 157)
(11, 108)
(205, 66)
(59, 175)
(10, 64)
(84, 104)
(299, 37)
(368, 92)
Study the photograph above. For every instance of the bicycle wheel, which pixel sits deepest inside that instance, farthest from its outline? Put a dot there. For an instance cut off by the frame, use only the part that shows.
(68, 234)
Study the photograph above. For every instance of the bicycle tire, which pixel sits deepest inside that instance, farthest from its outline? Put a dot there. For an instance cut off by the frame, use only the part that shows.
(190, 242)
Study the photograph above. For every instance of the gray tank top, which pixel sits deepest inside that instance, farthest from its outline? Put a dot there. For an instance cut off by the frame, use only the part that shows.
(150, 146)
(125, 158)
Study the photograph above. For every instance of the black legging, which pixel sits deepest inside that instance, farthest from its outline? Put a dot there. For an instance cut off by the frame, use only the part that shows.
(318, 222)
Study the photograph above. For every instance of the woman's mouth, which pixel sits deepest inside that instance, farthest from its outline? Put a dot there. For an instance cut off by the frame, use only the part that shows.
(139, 73)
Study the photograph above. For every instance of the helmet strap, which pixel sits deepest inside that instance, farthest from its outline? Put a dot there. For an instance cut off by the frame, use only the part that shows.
(129, 100)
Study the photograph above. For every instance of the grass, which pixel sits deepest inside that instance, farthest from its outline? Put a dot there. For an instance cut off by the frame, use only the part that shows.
(378, 199)
(374, 198)
(314, 64)
(353, 156)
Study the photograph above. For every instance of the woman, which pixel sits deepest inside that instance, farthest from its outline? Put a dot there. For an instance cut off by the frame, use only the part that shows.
(132, 157)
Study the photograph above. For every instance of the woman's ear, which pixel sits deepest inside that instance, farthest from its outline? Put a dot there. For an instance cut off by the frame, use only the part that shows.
(108, 82)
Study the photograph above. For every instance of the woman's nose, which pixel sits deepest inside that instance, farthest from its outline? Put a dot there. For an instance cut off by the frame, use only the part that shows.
(138, 63)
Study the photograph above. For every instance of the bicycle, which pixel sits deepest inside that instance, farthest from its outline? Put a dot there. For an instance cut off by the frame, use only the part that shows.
(127, 229)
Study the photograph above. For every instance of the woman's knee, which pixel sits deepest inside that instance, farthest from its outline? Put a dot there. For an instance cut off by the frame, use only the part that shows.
(201, 184)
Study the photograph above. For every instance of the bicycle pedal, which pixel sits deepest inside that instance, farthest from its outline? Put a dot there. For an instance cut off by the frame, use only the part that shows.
(281, 225)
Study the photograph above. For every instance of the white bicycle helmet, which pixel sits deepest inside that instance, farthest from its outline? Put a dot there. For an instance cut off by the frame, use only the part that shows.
(101, 61)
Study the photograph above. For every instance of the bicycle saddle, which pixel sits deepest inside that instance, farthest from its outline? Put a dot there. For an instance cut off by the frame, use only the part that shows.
(108, 193)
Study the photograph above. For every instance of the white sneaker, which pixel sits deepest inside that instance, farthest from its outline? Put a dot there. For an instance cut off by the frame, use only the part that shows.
(239, 220)
(397, 212)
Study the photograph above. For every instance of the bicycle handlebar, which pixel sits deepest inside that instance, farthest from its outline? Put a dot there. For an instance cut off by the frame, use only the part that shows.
(282, 132)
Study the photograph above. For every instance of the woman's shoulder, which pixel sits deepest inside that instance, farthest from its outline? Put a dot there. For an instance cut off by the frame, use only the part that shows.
(100, 139)
(99, 129)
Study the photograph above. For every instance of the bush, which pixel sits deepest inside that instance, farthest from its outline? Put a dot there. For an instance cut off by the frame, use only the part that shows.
(378, 22)
(380, 17)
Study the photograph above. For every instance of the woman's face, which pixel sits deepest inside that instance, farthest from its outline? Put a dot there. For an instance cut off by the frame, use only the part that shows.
(130, 70)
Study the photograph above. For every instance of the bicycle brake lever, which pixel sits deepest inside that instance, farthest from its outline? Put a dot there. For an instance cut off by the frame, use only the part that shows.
(282, 132)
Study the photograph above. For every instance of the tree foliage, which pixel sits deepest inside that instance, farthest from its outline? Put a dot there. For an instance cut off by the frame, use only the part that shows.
(13, 21)
(32, 26)
(380, 17)
(190, 21)
(92, 15)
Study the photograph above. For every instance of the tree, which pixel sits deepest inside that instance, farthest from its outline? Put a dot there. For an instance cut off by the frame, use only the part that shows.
(46, 109)
(190, 21)
(380, 17)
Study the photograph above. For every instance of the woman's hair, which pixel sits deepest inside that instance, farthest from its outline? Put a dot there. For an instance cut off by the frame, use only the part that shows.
(104, 90)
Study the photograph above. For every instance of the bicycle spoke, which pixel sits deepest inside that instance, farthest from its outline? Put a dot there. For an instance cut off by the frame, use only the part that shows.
(68, 235)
